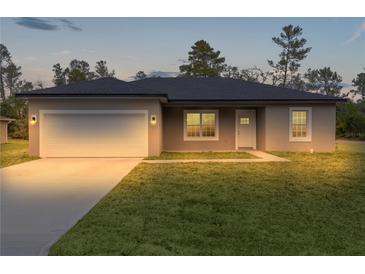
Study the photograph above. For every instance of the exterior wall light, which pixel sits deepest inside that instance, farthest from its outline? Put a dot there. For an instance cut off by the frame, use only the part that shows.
(33, 120)
(153, 120)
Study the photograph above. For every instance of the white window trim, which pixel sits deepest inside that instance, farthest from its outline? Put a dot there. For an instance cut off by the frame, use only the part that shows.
(202, 138)
(308, 138)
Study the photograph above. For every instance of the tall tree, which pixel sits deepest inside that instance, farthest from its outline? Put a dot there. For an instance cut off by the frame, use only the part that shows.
(79, 71)
(324, 81)
(39, 84)
(296, 82)
(12, 77)
(5, 60)
(293, 51)
(350, 120)
(17, 108)
(140, 75)
(102, 71)
(231, 72)
(23, 85)
(254, 74)
(359, 84)
(59, 75)
(203, 61)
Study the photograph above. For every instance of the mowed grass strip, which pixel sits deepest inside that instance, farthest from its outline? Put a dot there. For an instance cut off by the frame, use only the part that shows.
(313, 205)
(201, 155)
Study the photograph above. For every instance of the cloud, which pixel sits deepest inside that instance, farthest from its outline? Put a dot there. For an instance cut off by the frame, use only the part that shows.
(43, 24)
(68, 24)
(356, 34)
(36, 23)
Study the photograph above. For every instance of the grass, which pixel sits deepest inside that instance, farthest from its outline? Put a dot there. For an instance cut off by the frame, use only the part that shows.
(352, 148)
(313, 205)
(201, 155)
(14, 152)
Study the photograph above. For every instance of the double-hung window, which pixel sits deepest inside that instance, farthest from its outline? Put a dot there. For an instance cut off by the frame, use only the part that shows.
(200, 125)
(300, 124)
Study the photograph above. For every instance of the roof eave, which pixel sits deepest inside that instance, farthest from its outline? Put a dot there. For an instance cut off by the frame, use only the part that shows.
(164, 97)
(339, 100)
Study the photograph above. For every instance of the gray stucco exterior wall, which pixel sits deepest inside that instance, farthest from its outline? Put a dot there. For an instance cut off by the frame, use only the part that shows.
(260, 128)
(323, 129)
(272, 129)
(173, 130)
(272, 124)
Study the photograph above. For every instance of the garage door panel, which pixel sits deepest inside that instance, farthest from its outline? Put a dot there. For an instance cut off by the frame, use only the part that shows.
(94, 135)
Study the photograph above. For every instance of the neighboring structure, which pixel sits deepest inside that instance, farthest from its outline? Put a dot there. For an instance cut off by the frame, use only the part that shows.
(112, 118)
(4, 121)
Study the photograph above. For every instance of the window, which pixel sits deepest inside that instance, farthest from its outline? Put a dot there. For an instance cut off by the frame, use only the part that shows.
(300, 124)
(200, 125)
(244, 120)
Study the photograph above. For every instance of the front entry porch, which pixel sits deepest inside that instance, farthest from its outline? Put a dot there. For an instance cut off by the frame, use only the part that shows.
(213, 128)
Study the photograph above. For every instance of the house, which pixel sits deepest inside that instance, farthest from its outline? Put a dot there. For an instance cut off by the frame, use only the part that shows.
(112, 118)
(4, 121)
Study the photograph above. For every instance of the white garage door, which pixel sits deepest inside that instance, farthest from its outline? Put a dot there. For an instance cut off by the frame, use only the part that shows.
(94, 133)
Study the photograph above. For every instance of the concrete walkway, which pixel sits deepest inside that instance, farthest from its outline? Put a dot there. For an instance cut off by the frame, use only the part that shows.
(262, 157)
(42, 199)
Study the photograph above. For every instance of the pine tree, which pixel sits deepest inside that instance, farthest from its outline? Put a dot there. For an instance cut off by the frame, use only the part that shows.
(140, 75)
(12, 77)
(59, 77)
(102, 71)
(296, 82)
(324, 81)
(203, 61)
(5, 60)
(293, 51)
(231, 72)
(254, 74)
(79, 71)
(359, 84)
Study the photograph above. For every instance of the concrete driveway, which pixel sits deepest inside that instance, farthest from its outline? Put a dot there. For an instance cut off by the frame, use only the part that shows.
(42, 199)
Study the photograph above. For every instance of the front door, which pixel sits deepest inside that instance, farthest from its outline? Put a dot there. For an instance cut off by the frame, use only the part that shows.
(246, 128)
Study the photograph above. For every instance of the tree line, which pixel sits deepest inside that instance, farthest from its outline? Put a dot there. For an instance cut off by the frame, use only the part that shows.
(79, 70)
(11, 79)
(204, 61)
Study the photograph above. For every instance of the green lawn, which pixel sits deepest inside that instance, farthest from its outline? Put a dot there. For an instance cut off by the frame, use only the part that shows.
(352, 148)
(14, 152)
(313, 205)
(201, 155)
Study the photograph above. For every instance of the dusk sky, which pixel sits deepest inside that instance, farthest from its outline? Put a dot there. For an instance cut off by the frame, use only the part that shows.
(160, 44)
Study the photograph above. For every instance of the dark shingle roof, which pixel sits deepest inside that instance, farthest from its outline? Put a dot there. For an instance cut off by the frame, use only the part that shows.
(98, 87)
(183, 89)
(201, 89)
